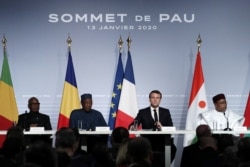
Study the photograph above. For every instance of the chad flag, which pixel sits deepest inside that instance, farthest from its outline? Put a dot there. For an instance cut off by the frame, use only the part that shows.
(70, 96)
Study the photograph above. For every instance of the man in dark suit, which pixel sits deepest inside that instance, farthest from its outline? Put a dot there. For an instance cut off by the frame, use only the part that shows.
(153, 118)
(146, 119)
(34, 119)
(203, 152)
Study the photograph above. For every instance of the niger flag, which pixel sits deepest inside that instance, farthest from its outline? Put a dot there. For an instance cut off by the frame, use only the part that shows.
(70, 96)
(197, 101)
(8, 106)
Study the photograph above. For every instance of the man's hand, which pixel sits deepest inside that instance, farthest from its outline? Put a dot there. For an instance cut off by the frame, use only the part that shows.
(158, 125)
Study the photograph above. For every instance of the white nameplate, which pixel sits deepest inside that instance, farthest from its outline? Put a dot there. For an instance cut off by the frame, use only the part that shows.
(36, 129)
(243, 128)
(168, 128)
(102, 128)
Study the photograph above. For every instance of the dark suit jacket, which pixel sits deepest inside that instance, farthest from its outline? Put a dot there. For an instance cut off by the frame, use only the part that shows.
(145, 118)
(193, 156)
(42, 120)
(189, 155)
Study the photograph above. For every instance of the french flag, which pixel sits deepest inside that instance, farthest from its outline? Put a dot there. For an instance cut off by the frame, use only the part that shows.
(127, 108)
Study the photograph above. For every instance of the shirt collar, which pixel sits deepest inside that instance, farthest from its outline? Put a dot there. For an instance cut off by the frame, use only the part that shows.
(152, 108)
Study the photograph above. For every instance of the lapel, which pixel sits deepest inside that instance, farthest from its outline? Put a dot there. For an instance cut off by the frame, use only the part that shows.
(149, 115)
(162, 115)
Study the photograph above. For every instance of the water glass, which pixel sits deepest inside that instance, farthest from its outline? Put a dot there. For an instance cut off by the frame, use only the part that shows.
(135, 125)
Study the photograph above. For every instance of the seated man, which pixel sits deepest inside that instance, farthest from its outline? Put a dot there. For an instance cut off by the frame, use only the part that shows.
(139, 152)
(154, 117)
(40, 154)
(11, 153)
(34, 119)
(67, 140)
(221, 118)
(118, 136)
(191, 152)
(90, 117)
(244, 152)
(90, 120)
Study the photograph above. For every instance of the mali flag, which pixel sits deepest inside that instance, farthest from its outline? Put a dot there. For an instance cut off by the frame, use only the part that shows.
(8, 106)
(70, 96)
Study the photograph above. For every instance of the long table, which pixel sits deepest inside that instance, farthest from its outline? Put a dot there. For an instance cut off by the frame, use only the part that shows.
(138, 133)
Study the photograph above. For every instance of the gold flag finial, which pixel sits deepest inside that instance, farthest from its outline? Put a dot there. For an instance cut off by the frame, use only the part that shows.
(129, 40)
(120, 42)
(199, 41)
(69, 41)
(4, 41)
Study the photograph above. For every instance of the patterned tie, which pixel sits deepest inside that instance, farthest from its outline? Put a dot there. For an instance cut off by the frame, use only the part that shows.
(155, 115)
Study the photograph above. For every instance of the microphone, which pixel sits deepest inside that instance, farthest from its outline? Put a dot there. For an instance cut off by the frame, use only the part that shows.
(227, 128)
(26, 128)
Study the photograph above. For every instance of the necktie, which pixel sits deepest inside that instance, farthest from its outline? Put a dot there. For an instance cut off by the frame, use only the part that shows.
(155, 115)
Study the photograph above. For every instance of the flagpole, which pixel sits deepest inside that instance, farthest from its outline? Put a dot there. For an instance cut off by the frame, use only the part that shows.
(8, 106)
(199, 41)
(69, 41)
(198, 99)
(129, 40)
(120, 42)
(70, 96)
(4, 42)
(117, 87)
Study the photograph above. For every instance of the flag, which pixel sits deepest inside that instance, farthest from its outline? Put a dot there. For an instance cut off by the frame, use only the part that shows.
(70, 96)
(127, 108)
(116, 93)
(197, 100)
(247, 115)
(8, 106)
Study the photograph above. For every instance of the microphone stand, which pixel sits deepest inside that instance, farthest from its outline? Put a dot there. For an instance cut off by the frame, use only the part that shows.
(154, 127)
(25, 122)
(227, 128)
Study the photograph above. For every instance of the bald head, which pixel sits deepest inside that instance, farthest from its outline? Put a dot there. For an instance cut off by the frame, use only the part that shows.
(33, 104)
(203, 131)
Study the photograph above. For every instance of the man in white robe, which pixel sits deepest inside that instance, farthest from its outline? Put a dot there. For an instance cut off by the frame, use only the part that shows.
(221, 118)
